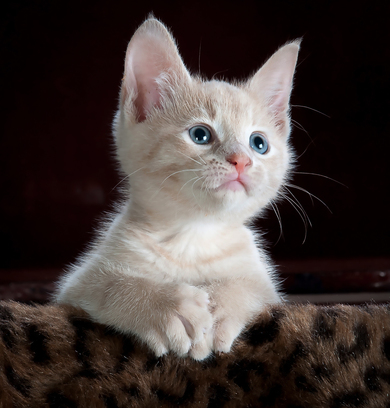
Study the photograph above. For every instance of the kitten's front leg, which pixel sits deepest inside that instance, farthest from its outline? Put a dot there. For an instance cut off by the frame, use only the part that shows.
(234, 303)
(166, 316)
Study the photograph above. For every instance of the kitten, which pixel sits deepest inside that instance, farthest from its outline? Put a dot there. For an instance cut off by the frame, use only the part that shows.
(177, 266)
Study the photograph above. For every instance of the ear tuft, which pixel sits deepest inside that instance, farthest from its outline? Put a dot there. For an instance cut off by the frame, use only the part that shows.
(151, 55)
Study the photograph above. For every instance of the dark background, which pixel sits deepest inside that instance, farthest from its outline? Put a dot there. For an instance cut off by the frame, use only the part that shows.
(61, 68)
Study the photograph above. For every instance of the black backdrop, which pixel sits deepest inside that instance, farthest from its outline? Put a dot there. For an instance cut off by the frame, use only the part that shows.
(61, 66)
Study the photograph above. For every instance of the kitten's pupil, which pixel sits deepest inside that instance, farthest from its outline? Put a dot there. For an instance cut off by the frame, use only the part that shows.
(258, 143)
(200, 134)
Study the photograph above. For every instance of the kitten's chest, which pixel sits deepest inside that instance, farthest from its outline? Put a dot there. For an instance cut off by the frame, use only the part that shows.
(198, 254)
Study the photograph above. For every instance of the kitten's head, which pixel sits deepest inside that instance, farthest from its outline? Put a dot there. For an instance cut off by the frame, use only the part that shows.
(194, 148)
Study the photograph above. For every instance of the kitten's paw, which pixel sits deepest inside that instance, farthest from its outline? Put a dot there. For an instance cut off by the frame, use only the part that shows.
(193, 312)
(187, 323)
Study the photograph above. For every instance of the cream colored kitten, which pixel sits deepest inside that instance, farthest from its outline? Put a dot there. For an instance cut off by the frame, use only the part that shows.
(177, 266)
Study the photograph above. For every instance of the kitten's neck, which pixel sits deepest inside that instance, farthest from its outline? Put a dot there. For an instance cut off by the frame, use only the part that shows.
(167, 220)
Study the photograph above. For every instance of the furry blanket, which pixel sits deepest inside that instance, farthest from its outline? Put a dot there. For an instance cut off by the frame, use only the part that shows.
(291, 356)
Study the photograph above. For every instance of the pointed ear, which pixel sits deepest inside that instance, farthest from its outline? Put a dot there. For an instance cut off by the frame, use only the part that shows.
(151, 53)
(273, 81)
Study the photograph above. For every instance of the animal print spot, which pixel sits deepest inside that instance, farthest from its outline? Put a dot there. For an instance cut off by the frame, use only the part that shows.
(302, 383)
(239, 372)
(20, 384)
(88, 372)
(153, 362)
(7, 334)
(322, 371)
(210, 362)
(110, 401)
(269, 399)
(218, 395)
(58, 400)
(264, 332)
(362, 339)
(371, 379)
(289, 362)
(386, 347)
(6, 314)
(83, 354)
(385, 376)
(127, 351)
(358, 348)
(349, 399)
(38, 344)
(324, 326)
(174, 399)
(165, 397)
(133, 391)
(189, 392)
(6, 331)
(82, 326)
(344, 353)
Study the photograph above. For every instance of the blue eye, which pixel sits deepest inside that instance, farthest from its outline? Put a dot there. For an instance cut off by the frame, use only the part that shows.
(200, 134)
(258, 143)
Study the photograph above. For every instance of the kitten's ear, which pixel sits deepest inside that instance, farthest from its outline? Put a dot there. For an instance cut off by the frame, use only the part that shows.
(273, 81)
(151, 53)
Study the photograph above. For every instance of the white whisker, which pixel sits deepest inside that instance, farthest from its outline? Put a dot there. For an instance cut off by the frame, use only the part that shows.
(176, 172)
(192, 187)
(307, 107)
(124, 178)
(312, 142)
(196, 161)
(299, 126)
(300, 206)
(298, 210)
(187, 183)
(278, 216)
(204, 162)
(319, 175)
(219, 72)
(204, 181)
(311, 196)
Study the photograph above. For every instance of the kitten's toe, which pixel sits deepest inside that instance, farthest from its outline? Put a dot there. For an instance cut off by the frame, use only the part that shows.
(197, 322)
(203, 349)
(178, 339)
(194, 314)
(157, 343)
(226, 332)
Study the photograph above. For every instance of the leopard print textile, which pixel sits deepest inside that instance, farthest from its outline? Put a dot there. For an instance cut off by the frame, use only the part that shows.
(292, 356)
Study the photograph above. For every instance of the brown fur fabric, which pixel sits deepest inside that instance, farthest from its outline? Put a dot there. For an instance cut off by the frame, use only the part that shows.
(291, 356)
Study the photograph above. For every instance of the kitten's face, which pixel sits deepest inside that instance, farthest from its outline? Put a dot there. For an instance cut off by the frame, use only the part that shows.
(203, 147)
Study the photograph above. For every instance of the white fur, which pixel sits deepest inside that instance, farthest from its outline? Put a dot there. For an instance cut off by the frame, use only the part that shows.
(177, 266)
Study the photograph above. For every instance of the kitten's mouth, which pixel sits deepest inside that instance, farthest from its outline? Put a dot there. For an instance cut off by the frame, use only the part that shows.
(238, 183)
(234, 185)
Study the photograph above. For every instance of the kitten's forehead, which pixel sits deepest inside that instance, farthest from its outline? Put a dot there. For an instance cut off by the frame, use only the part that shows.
(232, 107)
(226, 98)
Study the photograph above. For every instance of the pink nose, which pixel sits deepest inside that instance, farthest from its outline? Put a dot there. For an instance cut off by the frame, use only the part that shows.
(240, 161)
